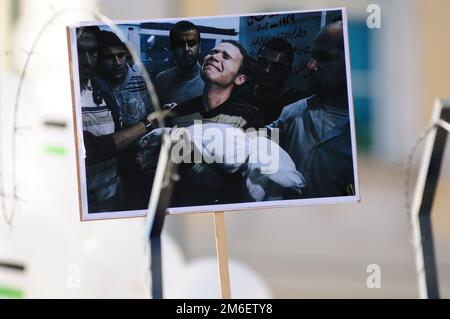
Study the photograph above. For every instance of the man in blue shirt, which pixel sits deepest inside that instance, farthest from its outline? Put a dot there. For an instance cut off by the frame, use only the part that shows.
(126, 94)
(183, 81)
(315, 131)
(102, 142)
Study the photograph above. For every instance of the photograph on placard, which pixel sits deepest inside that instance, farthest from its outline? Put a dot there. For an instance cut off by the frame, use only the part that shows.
(261, 112)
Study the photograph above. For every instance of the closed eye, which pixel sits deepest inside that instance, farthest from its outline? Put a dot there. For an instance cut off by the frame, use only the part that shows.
(226, 56)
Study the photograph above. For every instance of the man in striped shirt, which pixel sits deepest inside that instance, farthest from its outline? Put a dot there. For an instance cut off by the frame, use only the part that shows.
(103, 185)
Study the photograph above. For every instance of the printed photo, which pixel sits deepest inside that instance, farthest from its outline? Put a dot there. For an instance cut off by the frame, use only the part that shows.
(259, 108)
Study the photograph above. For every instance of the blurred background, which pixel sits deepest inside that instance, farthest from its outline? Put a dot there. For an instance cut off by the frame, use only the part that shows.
(306, 252)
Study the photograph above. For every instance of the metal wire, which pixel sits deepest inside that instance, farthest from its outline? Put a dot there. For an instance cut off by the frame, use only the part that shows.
(420, 138)
(8, 215)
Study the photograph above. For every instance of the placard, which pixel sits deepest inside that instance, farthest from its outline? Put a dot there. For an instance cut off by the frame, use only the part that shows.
(244, 142)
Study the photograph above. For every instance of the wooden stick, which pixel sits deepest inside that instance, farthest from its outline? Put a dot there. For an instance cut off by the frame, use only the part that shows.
(222, 255)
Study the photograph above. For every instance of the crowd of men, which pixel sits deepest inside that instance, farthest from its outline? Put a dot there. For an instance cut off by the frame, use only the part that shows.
(227, 88)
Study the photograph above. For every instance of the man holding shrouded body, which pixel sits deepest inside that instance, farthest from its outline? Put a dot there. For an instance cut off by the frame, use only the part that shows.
(223, 69)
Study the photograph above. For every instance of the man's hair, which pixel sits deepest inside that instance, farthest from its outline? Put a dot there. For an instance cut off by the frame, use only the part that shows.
(81, 32)
(108, 39)
(245, 65)
(335, 27)
(183, 26)
(279, 45)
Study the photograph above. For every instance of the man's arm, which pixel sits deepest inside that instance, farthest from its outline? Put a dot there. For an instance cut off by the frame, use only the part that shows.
(126, 137)
(104, 147)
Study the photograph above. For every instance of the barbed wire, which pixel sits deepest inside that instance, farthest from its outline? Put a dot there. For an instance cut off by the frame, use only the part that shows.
(420, 138)
(8, 215)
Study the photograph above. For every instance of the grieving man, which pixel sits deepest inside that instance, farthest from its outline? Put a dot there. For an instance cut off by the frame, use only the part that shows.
(223, 70)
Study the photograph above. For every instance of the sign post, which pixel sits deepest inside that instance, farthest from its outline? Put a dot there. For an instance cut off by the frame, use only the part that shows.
(222, 255)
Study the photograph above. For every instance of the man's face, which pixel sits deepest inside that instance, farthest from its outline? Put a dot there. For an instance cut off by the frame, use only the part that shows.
(87, 55)
(112, 64)
(327, 73)
(221, 66)
(186, 48)
(273, 68)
